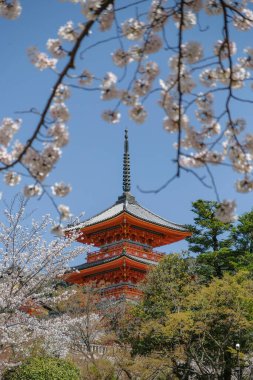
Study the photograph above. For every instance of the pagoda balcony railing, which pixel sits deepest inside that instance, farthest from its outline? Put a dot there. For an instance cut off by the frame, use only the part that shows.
(123, 290)
(129, 247)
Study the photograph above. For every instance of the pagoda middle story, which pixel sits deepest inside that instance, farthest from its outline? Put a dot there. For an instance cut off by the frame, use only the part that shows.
(125, 234)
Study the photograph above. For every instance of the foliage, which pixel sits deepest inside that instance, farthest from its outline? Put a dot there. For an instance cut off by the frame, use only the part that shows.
(198, 336)
(219, 247)
(242, 233)
(43, 369)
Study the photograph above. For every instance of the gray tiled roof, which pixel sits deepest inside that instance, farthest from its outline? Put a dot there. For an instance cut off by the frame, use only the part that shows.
(128, 204)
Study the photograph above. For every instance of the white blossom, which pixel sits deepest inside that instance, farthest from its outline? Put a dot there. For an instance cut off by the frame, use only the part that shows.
(12, 178)
(90, 8)
(64, 211)
(192, 52)
(226, 211)
(223, 50)
(41, 60)
(8, 128)
(133, 29)
(111, 116)
(62, 93)
(54, 46)
(249, 143)
(59, 111)
(212, 7)
(150, 70)
(128, 99)
(138, 113)
(106, 19)
(10, 9)
(32, 190)
(68, 32)
(188, 20)
(141, 87)
(244, 20)
(153, 44)
(245, 185)
(60, 133)
(85, 78)
(61, 189)
(158, 15)
(208, 78)
(121, 58)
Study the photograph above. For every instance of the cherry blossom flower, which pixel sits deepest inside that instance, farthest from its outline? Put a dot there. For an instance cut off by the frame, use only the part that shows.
(12, 178)
(109, 93)
(153, 44)
(138, 113)
(192, 52)
(245, 185)
(41, 60)
(62, 93)
(128, 99)
(60, 189)
(8, 128)
(54, 46)
(188, 21)
(90, 7)
(59, 111)
(141, 87)
(213, 7)
(85, 78)
(68, 32)
(106, 19)
(57, 230)
(32, 190)
(223, 50)
(158, 16)
(236, 126)
(64, 212)
(133, 29)
(204, 101)
(226, 211)
(60, 133)
(121, 58)
(111, 116)
(249, 143)
(208, 78)
(10, 9)
(150, 70)
(248, 60)
(243, 21)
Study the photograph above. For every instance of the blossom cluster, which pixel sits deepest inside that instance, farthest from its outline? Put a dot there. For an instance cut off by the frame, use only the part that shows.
(197, 80)
(29, 266)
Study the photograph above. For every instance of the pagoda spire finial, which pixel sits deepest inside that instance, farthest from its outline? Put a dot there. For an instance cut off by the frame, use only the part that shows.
(126, 166)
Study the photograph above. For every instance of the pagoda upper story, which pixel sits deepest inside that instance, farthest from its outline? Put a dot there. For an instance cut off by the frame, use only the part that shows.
(125, 234)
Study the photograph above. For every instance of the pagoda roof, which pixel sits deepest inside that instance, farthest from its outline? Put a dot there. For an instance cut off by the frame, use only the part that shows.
(115, 258)
(127, 204)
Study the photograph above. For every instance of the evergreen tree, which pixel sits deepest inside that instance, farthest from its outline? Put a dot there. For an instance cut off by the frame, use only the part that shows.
(210, 241)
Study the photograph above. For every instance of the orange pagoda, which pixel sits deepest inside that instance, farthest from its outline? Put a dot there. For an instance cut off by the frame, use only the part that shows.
(126, 234)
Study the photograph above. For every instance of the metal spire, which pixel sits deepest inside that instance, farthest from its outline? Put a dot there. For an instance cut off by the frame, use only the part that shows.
(126, 166)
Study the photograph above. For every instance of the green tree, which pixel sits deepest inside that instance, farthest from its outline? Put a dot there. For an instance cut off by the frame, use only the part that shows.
(43, 368)
(211, 241)
(199, 325)
(242, 233)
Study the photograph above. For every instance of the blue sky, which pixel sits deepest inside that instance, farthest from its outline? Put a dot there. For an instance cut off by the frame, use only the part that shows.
(92, 162)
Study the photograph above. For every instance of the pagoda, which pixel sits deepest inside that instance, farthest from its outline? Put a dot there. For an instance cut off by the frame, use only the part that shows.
(125, 234)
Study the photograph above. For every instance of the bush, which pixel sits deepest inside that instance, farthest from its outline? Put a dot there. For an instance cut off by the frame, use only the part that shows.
(43, 369)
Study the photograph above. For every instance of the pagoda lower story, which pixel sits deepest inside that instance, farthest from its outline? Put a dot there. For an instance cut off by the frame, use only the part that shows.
(117, 270)
(126, 234)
